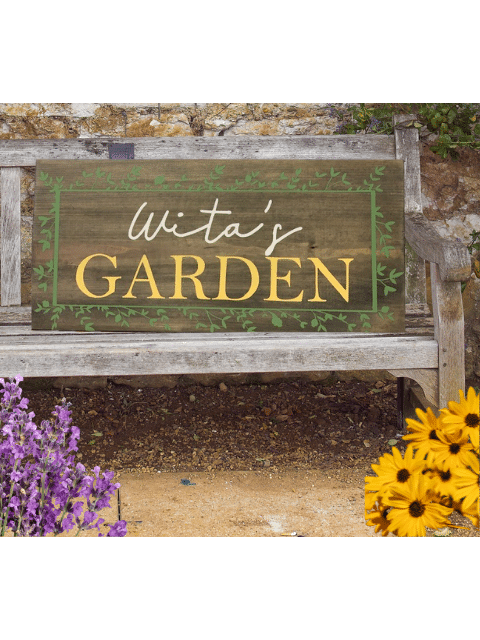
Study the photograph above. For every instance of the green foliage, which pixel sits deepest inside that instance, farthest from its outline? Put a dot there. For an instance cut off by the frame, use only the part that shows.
(456, 125)
(474, 244)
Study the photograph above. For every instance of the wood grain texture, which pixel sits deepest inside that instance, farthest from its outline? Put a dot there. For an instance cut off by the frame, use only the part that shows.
(452, 257)
(10, 243)
(426, 378)
(406, 149)
(26, 152)
(449, 333)
(221, 221)
(73, 355)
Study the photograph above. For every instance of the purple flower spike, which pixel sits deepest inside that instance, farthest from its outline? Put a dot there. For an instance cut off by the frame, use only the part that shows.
(41, 497)
(117, 530)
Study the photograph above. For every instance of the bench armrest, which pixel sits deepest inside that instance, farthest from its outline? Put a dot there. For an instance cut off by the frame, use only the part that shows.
(452, 257)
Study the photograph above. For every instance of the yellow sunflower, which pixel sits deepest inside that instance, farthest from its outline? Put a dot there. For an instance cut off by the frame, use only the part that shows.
(464, 415)
(458, 505)
(413, 509)
(443, 479)
(473, 514)
(424, 431)
(395, 470)
(379, 520)
(453, 449)
(467, 483)
(370, 499)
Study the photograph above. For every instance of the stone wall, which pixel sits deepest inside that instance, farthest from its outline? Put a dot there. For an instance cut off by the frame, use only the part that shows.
(135, 120)
(451, 201)
(451, 190)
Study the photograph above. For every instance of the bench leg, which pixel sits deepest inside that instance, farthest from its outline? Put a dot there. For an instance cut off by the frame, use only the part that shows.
(449, 332)
(400, 402)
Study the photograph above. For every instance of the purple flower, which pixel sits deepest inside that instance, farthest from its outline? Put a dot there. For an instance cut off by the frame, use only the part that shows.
(117, 530)
(40, 497)
(68, 523)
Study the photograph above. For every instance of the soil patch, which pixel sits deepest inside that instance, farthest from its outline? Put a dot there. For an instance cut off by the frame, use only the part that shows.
(244, 448)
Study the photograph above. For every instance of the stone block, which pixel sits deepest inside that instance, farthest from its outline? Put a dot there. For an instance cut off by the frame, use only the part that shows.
(84, 109)
(39, 127)
(471, 300)
(253, 128)
(107, 120)
(20, 109)
(214, 379)
(147, 382)
(168, 125)
(365, 376)
(81, 382)
(272, 377)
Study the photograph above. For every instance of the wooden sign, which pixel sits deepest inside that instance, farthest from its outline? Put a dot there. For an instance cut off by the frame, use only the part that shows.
(218, 245)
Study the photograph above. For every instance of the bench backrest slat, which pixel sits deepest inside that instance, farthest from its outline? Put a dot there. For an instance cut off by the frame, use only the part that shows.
(406, 149)
(24, 153)
(11, 230)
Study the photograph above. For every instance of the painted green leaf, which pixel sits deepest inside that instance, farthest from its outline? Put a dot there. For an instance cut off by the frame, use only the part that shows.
(276, 321)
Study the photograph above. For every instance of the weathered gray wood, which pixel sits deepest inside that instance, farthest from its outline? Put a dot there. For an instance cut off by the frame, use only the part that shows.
(452, 257)
(25, 335)
(426, 378)
(15, 315)
(406, 149)
(415, 276)
(10, 243)
(449, 333)
(67, 354)
(26, 152)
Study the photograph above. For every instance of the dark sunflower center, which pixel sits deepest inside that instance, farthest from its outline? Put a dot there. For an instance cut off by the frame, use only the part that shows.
(416, 509)
(433, 435)
(403, 475)
(472, 420)
(445, 475)
(454, 448)
(385, 511)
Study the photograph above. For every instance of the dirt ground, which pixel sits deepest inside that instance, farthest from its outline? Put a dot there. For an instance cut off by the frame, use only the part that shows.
(285, 459)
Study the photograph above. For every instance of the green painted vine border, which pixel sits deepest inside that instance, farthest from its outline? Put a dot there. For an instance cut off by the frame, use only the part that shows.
(213, 319)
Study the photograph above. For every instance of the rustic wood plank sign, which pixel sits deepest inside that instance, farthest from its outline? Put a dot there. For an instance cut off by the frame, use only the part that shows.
(219, 245)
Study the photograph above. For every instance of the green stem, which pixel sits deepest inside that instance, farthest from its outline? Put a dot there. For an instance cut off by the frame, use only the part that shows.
(69, 501)
(19, 523)
(4, 523)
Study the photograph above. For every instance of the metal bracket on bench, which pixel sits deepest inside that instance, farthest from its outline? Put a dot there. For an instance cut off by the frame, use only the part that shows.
(118, 151)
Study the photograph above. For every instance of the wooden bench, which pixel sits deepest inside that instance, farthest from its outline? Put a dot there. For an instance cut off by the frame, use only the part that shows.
(430, 352)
